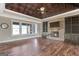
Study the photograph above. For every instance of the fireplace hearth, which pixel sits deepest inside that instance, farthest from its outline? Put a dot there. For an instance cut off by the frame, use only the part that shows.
(54, 34)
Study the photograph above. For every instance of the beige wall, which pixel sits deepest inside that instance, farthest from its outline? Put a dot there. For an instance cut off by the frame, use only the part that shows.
(6, 34)
(61, 29)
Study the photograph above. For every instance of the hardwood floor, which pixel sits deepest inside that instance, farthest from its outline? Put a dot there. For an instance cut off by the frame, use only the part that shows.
(38, 47)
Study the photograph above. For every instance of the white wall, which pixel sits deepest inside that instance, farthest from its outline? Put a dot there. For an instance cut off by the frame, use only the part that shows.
(6, 34)
(2, 7)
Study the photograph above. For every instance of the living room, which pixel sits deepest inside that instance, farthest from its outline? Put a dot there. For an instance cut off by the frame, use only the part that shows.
(39, 29)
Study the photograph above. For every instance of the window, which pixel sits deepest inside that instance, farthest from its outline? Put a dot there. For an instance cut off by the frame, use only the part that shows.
(45, 26)
(16, 28)
(28, 28)
(24, 28)
(35, 28)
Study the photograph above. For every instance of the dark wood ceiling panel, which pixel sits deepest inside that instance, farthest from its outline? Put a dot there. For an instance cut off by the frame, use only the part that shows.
(33, 9)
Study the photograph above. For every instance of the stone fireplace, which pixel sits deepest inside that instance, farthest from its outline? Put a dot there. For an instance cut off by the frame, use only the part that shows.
(57, 33)
(54, 34)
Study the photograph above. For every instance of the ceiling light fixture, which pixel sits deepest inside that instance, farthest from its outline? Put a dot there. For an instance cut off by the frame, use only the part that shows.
(42, 9)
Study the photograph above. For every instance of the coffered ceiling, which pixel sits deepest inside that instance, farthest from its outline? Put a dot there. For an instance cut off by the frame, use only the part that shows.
(41, 10)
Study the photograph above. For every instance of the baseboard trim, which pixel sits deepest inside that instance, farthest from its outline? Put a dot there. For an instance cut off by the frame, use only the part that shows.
(19, 39)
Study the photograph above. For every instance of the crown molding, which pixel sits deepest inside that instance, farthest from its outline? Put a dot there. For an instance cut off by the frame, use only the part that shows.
(15, 15)
(62, 15)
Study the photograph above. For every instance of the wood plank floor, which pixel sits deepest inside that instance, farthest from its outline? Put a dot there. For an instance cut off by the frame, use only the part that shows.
(38, 47)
